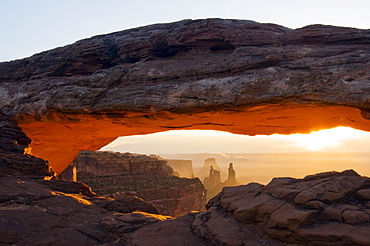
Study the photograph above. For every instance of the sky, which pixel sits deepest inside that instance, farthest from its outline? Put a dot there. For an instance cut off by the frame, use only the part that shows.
(339, 139)
(32, 26)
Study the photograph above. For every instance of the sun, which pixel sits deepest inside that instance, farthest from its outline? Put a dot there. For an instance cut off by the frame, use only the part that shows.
(317, 140)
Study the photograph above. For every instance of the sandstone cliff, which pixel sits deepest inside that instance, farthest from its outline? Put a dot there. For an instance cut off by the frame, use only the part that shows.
(101, 163)
(234, 75)
(119, 175)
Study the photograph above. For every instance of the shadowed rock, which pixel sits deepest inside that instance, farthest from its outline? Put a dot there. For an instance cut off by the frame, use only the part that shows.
(15, 158)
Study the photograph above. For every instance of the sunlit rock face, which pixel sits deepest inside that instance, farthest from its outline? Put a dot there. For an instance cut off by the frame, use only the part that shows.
(233, 75)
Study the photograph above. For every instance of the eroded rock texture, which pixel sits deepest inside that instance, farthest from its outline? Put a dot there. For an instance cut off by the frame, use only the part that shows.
(233, 75)
(323, 209)
(120, 175)
(66, 213)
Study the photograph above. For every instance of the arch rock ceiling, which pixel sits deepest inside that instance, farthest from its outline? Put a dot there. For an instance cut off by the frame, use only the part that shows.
(233, 75)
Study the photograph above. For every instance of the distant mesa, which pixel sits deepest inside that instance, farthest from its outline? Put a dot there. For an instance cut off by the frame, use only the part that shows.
(119, 175)
(204, 171)
(181, 168)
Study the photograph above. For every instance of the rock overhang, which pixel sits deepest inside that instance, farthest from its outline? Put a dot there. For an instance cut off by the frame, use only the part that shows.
(232, 75)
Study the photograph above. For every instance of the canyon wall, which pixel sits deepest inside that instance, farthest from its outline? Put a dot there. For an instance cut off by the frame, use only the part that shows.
(233, 75)
(120, 175)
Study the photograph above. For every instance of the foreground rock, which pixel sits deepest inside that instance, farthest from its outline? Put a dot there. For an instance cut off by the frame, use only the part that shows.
(119, 175)
(323, 209)
(51, 213)
(232, 75)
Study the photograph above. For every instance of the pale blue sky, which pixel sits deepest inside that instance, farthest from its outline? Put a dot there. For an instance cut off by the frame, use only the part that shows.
(32, 26)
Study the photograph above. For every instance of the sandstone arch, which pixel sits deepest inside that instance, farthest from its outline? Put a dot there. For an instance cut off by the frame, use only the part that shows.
(231, 75)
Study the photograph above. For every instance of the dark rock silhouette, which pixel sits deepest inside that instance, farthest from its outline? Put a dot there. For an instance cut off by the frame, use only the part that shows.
(120, 175)
(15, 153)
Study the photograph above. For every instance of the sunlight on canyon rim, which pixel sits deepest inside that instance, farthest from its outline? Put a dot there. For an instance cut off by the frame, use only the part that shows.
(214, 141)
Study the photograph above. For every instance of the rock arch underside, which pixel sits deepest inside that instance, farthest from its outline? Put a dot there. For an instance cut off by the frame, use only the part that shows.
(232, 75)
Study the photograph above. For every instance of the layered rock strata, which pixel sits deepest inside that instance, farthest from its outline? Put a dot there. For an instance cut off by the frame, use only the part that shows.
(119, 175)
(233, 75)
(102, 163)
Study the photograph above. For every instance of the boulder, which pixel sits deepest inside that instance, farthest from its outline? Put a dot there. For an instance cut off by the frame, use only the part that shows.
(320, 209)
